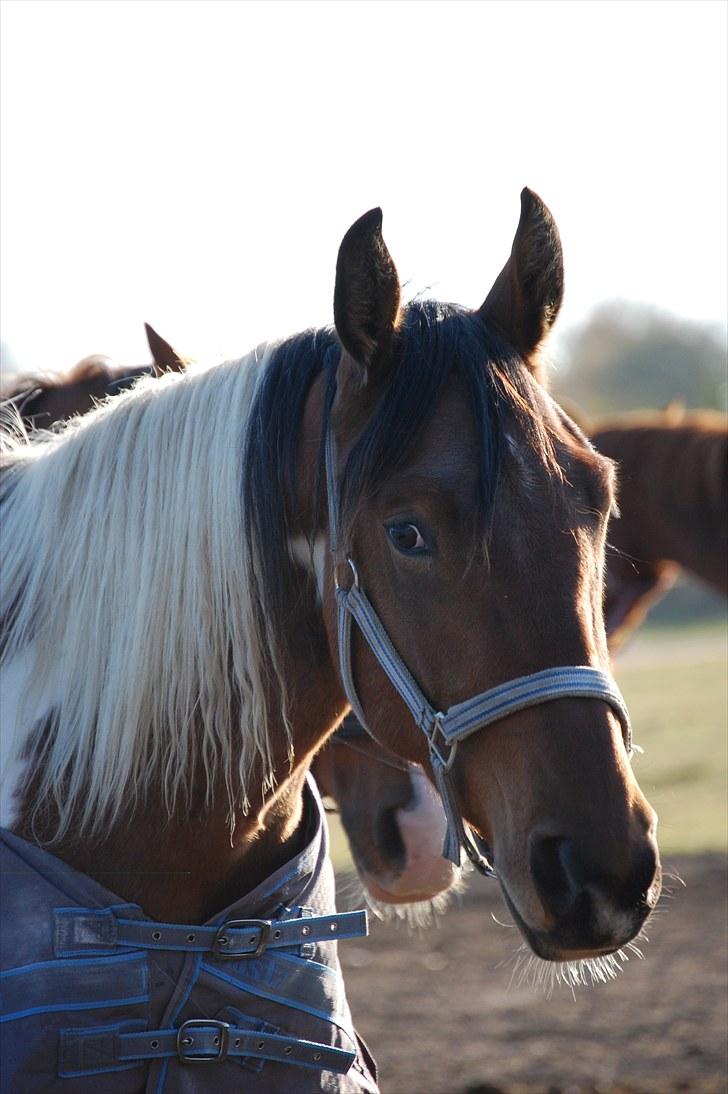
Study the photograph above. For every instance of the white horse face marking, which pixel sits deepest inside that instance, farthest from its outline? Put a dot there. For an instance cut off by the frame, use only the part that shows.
(312, 560)
(422, 826)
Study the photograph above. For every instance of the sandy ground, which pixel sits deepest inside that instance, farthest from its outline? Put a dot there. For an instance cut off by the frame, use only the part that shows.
(441, 1015)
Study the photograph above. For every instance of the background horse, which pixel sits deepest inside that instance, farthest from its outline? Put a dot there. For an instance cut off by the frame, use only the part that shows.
(416, 446)
(392, 817)
(46, 398)
(673, 508)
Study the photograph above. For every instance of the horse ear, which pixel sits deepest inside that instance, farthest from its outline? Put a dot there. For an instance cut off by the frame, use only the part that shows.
(527, 294)
(165, 359)
(366, 294)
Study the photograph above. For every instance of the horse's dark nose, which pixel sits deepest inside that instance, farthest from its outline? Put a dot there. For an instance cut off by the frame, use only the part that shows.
(593, 905)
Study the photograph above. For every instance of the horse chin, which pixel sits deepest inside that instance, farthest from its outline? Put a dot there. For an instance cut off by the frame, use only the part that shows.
(415, 910)
(410, 887)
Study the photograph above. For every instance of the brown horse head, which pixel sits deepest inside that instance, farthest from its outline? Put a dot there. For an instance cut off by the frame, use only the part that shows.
(47, 398)
(391, 814)
(475, 514)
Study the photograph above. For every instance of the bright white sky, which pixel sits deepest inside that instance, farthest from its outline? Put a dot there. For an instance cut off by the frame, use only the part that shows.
(196, 164)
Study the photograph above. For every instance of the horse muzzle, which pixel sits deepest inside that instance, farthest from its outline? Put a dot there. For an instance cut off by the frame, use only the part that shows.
(587, 912)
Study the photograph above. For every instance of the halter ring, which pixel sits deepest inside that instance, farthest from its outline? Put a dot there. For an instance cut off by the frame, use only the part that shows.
(355, 583)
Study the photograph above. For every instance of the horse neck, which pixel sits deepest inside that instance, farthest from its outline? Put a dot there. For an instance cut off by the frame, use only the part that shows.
(672, 496)
(184, 868)
(188, 866)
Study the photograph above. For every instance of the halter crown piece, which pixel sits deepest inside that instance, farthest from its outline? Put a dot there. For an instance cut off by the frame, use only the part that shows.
(444, 730)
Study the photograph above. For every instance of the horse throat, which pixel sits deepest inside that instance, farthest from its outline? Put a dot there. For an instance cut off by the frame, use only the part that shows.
(186, 867)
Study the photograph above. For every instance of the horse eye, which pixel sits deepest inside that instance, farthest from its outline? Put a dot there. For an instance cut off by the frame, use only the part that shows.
(406, 538)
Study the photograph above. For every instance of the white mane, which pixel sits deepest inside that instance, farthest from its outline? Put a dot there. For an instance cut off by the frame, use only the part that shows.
(129, 592)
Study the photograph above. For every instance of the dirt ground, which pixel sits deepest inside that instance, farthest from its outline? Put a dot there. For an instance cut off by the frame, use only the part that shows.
(440, 1017)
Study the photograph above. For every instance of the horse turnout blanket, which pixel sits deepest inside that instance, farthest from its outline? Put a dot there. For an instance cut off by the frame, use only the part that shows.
(97, 997)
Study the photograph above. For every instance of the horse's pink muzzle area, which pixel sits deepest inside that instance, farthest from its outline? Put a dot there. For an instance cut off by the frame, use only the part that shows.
(422, 828)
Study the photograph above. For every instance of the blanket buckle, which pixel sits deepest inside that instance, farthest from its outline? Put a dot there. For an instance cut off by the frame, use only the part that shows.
(222, 946)
(185, 1041)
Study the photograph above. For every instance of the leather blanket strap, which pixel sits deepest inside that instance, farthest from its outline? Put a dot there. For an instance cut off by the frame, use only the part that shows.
(96, 996)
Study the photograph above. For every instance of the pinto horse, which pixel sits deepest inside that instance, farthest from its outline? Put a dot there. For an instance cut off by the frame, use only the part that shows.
(389, 811)
(673, 505)
(452, 594)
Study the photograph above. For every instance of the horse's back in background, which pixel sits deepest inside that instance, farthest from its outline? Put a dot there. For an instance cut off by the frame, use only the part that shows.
(673, 508)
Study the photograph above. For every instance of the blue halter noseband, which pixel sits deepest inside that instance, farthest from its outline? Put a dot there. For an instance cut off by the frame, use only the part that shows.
(445, 729)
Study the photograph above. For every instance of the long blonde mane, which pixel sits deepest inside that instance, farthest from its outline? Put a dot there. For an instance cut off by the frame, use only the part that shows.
(129, 590)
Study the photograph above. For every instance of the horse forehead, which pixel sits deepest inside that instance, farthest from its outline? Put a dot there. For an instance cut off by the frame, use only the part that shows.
(446, 446)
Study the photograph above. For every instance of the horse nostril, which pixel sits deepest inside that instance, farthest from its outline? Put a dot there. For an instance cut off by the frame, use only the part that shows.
(552, 865)
(567, 882)
(645, 881)
(388, 839)
(573, 886)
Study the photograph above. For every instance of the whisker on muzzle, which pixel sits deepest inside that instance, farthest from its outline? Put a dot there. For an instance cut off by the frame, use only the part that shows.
(495, 919)
(547, 976)
(419, 914)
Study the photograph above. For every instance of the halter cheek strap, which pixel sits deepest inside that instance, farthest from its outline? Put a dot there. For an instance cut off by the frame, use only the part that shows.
(444, 730)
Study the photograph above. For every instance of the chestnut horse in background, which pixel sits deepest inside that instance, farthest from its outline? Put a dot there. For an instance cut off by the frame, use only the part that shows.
(673, 508)
(43, 399)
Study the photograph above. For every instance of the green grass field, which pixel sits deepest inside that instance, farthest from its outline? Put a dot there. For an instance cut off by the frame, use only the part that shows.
(675, 682)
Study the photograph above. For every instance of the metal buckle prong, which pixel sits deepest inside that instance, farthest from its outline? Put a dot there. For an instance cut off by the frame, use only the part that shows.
(185, 1040)
(222, 946)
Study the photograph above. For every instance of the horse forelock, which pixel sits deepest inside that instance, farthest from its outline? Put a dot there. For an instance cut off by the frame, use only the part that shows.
(436, 344)
(130, 581)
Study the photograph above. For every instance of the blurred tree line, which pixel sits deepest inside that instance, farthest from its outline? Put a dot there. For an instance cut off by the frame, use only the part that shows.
(629, 357)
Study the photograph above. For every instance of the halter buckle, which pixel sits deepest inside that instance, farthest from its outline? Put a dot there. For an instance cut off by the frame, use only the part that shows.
(445, 761)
